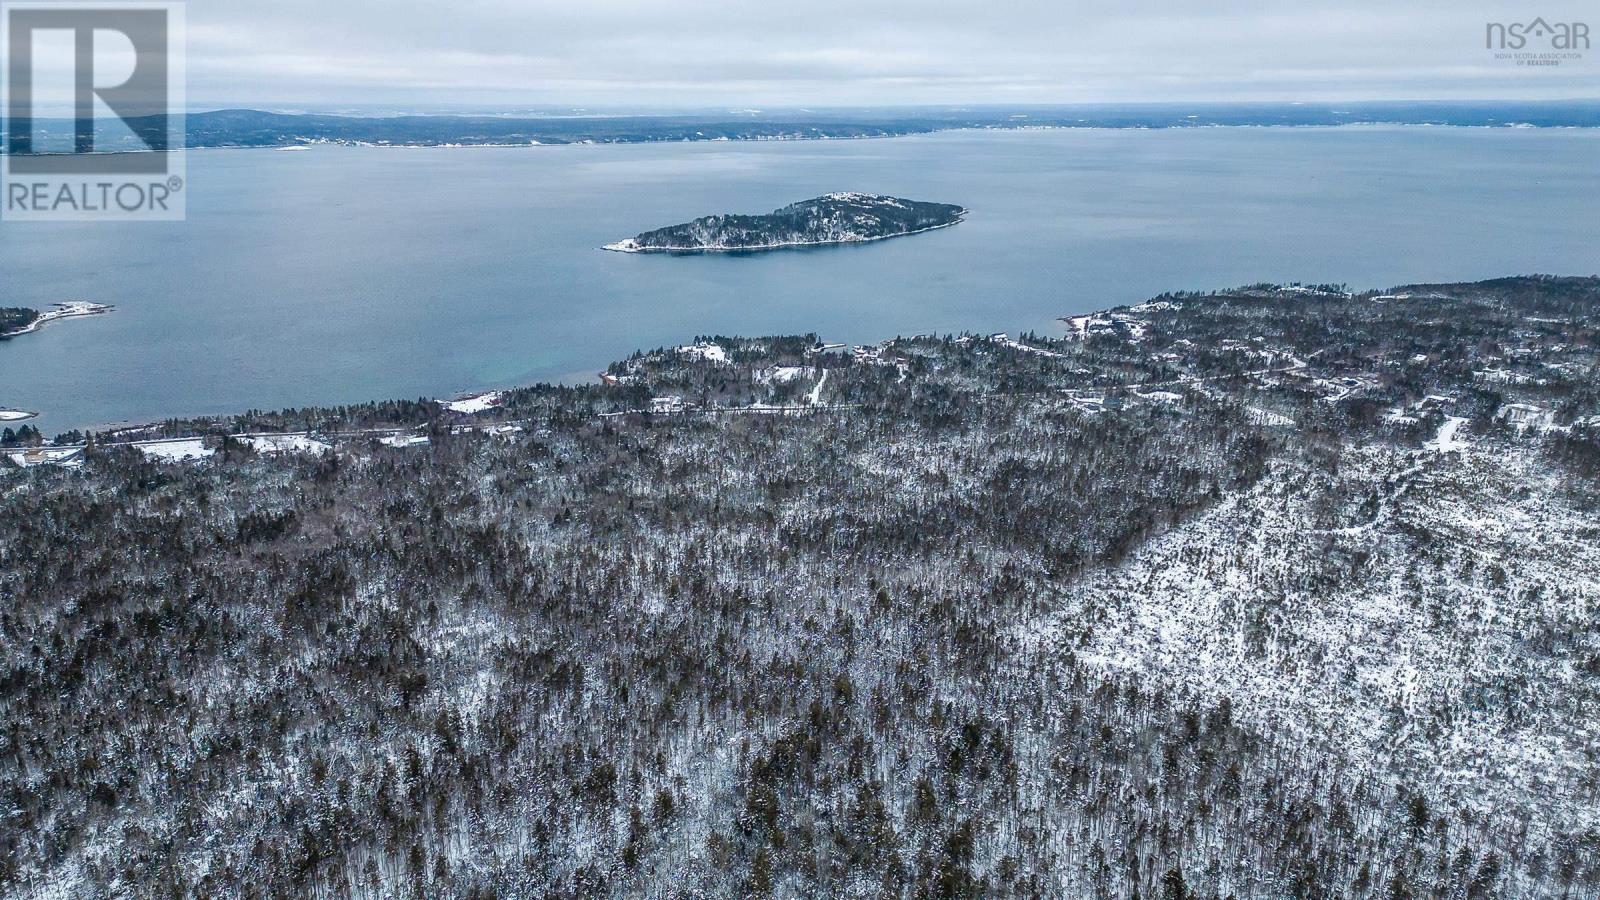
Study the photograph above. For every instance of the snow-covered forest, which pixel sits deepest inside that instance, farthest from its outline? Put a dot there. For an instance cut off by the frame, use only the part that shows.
(1271, 592)
(838, 218)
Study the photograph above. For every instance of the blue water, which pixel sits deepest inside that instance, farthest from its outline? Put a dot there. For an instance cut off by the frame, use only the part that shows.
(348, 274)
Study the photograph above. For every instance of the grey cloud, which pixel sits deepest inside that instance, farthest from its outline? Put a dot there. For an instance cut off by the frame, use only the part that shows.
(297, 52)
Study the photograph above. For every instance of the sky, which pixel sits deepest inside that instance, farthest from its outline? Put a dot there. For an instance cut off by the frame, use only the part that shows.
(331, 54)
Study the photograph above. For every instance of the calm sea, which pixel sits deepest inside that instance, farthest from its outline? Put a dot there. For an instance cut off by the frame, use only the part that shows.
(348, 274)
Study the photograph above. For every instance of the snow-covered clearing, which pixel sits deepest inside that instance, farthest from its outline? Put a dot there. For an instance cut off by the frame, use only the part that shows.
(782, 374)
(1079, 325)
(1156, 306)
(815, 397)
(296, 442)
(707, 351)
(1160, 396)
(71, 457)
(476, 403)
(1446, 441)
(178, 450)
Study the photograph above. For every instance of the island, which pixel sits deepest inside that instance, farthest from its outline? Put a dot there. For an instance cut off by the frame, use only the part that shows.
(838, 218)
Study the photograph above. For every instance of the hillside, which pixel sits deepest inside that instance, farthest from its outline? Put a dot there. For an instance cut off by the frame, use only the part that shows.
(839, 218)
(1270, 592)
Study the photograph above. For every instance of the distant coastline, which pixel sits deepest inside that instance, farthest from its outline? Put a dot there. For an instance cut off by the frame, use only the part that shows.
(249, 128)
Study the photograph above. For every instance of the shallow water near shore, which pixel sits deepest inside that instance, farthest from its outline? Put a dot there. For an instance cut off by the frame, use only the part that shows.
(347, 274)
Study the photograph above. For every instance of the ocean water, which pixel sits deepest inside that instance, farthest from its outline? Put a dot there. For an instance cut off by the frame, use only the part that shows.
(348, 274)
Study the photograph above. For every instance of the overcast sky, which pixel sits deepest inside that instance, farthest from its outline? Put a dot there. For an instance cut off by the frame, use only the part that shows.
(514, 53)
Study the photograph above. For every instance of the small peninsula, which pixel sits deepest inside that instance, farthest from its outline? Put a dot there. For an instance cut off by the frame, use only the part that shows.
(839, 218)
(15, 320)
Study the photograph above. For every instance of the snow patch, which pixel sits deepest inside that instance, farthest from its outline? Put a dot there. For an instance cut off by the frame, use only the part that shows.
(1446, 441)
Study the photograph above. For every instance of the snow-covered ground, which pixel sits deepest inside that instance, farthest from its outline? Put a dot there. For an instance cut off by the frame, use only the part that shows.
(1160, 396)
(298, 442)
(782, 374)
(476, 403)
(401, 440)
(707, 351)
(815, 397)
(1085, 326)
(71, 457)
(1437, 645)
(1156, 306)
(178, 450)
(1446, 441)
(1079, 325)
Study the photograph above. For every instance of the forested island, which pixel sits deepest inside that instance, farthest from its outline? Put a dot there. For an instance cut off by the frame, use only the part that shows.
(1279, 591)
(838, 218)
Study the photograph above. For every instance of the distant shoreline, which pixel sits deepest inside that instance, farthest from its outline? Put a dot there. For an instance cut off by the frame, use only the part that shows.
(803, 138)
(238, 128)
